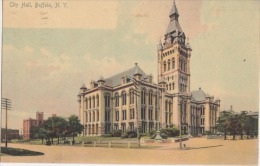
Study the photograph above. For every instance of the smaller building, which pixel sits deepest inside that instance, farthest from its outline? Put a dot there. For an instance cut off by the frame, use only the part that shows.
(28, 125)
(11, 134)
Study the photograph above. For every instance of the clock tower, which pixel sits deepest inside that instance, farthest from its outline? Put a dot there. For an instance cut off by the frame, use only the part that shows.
(174, 57)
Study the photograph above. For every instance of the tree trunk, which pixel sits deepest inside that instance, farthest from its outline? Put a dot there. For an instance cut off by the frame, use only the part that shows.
(42, 141)
(234, 136)
(225, 135)
(241, 136)
(58, 140)
(51, 140)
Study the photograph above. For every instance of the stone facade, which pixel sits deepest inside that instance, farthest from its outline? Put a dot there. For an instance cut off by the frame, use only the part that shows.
(131, 98)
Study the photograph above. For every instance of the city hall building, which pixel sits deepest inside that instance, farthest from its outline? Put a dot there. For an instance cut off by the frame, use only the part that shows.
(131, 99)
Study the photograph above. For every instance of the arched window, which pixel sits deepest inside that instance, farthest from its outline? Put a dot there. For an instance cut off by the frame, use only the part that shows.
(124, 98)
(94, 116)
(131, 96)
(89, 102)
(107, 100)
(173, 86)
(166, 106)
(173, 63)
(164, 66)
(169, 64)
(86, 103)
(181, 65)
(116, 100)
(143, 96)
(150, 98)
(97, 100)
(94, 101)
(97, 115)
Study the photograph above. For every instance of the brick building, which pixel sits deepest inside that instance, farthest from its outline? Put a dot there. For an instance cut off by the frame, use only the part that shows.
(28, 125)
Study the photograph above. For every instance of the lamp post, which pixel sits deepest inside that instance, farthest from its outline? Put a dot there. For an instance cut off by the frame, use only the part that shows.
(182, 97)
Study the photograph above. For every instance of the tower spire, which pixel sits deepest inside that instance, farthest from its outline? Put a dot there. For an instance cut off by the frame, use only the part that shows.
(174, 14)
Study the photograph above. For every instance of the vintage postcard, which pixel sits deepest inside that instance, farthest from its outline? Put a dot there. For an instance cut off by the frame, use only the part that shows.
(164, 82)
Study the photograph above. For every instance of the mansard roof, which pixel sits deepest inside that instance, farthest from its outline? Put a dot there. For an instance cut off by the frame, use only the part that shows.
(116, 79)
(199, 95)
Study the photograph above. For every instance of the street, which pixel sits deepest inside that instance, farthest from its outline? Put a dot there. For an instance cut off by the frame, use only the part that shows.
(203, 151)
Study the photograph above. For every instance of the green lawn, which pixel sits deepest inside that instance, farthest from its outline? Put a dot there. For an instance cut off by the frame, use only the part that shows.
(19, 152)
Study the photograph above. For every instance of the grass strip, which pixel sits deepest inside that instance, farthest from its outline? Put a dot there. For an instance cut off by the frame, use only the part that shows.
(19, 152)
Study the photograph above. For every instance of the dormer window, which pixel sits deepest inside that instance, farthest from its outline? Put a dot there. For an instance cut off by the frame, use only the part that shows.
(124, 80)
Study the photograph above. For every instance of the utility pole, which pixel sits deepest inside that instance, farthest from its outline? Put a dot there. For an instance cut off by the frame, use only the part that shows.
(6, 104)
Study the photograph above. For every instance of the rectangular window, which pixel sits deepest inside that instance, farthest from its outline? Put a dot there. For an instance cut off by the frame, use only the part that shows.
(117, 115)
(107, 116)
(132, 97)
(166, 118)
(131, 126)
(117, 101)
(142, 113)
(124, 99)
(150, 115)
(123, 127)
(124, 114)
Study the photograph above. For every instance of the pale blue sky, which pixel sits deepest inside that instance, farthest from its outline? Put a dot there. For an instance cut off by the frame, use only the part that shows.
(43, 68)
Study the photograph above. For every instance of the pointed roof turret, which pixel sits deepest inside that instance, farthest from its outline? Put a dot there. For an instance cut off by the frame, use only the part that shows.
(83, 86)
(174, 10)
(160, 46)
(137, 72)
(188, 44)
(101, 79)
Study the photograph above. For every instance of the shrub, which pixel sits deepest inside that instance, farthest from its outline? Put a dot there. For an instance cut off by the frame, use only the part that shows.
(124, 135)
(170, 132)
(207, 133)
(153, 132)
(129, 134)
(116, 133)
(153, 136)
(107, 135)
(164, 136)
